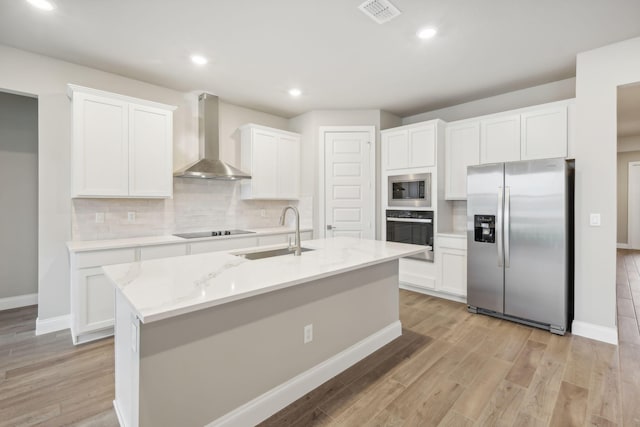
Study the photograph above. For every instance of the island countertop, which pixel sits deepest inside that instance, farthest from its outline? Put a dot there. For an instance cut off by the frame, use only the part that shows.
(163, 288)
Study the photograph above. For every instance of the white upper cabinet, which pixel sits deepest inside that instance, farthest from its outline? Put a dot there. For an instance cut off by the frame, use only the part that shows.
(462, 149)
(500, 139)
(121, 146)
(272, 157)
(544, 133)
(411, 146)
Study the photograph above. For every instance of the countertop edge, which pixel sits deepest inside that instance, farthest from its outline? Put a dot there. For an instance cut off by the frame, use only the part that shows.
(77, 246)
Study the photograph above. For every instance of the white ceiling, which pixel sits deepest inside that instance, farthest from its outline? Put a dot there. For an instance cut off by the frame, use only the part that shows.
(340, 58)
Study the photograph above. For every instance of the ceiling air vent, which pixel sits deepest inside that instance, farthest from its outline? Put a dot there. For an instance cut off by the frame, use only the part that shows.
(380, 11)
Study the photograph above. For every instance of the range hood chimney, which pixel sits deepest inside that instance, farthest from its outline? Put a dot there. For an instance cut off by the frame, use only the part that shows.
(210, 166)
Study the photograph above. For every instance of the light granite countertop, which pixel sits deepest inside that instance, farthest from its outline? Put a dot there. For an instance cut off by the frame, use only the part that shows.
(93, 245)
(164, 288)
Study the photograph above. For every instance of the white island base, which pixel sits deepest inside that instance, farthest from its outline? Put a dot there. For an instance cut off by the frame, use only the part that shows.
(239, 362)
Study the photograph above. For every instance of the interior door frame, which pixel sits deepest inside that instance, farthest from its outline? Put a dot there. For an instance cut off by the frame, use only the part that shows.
(629, 166)
(323, 131)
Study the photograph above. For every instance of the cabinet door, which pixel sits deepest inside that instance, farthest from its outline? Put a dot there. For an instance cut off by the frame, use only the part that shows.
(453, 271)
(150, 151)
(264, 177)
(544, 133)
(500, 139)
(94, 299)
(396, 149)
(288, 167)
(100, 146)
(422, 147)
(462, 149)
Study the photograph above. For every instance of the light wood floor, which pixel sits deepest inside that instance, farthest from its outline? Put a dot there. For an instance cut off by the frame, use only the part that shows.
(449, 368)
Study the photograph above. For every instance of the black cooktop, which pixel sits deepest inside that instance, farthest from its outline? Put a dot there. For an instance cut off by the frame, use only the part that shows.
(200, 234)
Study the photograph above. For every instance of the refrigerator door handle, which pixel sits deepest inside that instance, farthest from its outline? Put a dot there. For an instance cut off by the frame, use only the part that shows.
(507, 226)
(499, 228)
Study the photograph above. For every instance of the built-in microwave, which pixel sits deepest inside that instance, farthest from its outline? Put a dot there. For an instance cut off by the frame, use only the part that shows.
(410, 191)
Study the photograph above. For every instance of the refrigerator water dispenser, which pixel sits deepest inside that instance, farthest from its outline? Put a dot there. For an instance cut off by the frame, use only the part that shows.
(484, 228)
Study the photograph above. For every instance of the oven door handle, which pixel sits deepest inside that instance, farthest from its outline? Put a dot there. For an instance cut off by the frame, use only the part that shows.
(420, 220)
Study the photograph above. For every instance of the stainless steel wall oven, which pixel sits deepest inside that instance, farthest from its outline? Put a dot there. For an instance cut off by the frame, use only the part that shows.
(414, 227)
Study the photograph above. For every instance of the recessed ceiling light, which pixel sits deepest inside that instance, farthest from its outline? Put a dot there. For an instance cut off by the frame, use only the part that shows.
(427, 33)
(199, 59)
(295, 92)
(42, 4)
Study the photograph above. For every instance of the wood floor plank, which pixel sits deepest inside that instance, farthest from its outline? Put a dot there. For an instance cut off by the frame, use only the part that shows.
(628, 330)
(542, 393)
(526, 364)
(454, 419)
(475, 398)
(571, 406)
(502, 409)
(580, 362)
(604, 387)
(626, 308)
(370, 403)
(596, 421)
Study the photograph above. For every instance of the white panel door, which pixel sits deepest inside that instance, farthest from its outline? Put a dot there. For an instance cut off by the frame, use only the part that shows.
(544, 133)
(150, 152)
(95, 295)
(633, 217)
(422, 147)
(100, 146)
(396, 146)
(462, 149)
(288, 167)
(349, 209)
(500, 139)
(264, 178)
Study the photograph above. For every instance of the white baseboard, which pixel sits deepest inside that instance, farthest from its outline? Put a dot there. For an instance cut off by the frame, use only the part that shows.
(119, 415)
(52, 324)
(452, 297)
(267, 404)
(595, 332)
(18, 301)
(623, 246)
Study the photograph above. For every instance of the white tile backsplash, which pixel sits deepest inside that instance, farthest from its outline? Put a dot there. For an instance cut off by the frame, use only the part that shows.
(196, 205)
(459, 213)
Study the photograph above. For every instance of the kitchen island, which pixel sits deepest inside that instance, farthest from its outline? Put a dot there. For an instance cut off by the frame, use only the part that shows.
(221, 339)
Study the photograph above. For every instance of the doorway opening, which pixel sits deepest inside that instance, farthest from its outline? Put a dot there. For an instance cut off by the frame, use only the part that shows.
(18, 202)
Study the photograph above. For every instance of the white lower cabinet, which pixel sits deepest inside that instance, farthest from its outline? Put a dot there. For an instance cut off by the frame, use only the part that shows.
(446, 277)
(452, 265)
(92, 294)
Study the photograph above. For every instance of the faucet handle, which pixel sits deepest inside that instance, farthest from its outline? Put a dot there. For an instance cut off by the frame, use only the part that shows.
(290, 244)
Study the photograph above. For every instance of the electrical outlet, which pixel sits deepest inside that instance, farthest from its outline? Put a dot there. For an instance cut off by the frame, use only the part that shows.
(131, 216)
(263, 213)
(594, 220)
(308, 334)
(99, 217)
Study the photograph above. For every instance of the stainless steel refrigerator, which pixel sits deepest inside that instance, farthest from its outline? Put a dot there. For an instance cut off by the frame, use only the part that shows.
(520, 242)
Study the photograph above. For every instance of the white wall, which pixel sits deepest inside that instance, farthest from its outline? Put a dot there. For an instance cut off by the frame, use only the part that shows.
(18, 195)
(555, 91)
(599, 73)
(46, 78)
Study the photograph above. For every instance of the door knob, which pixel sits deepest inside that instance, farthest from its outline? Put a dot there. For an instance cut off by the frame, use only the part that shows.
(330, 227)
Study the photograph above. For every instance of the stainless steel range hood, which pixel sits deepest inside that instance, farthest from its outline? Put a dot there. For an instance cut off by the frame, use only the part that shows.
(210, 166)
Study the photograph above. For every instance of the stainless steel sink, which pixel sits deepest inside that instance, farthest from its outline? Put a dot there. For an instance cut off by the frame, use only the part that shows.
(271, 253)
